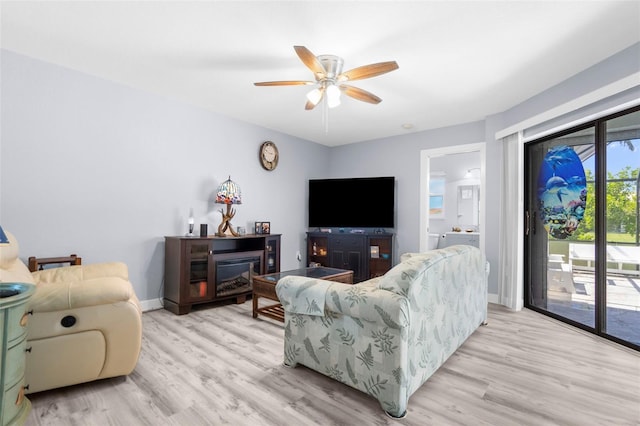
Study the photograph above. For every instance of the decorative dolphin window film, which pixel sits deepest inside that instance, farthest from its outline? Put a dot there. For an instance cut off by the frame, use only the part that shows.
(562, 191)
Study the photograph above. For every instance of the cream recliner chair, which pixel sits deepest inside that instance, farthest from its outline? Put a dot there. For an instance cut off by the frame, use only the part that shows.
(86, 321)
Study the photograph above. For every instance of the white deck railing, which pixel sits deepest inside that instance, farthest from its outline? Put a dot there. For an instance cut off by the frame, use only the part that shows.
(621, 255)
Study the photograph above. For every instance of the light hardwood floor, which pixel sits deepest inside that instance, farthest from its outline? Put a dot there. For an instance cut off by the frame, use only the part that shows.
(221, 366)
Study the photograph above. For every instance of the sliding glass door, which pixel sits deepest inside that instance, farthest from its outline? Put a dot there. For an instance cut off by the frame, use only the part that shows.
(582, 244)
(622, 286)
(560, 183)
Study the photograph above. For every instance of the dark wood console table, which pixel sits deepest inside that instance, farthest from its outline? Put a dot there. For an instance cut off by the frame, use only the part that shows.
(192, 266)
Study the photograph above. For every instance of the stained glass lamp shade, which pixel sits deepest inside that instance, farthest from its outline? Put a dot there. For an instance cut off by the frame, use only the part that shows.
(228, 193)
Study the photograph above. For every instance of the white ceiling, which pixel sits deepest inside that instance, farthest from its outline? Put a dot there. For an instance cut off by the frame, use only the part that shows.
(459, 61)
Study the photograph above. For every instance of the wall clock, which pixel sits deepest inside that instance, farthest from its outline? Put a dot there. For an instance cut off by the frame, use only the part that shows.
(269, 155)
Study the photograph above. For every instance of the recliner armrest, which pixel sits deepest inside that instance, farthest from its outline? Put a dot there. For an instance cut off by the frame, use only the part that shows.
(56, 296)
(82, 272)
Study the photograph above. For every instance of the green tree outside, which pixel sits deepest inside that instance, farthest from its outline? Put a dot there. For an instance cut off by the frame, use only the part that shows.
(621, 202)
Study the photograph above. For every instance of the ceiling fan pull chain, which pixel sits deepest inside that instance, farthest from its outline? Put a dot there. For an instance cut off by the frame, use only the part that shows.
(325, 114)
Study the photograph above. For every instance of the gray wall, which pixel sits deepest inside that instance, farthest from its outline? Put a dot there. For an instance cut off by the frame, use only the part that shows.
(400, 156)
(96, 168)
(91, 167)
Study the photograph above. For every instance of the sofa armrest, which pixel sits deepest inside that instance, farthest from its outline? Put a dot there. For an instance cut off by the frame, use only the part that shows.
(363, 302)
(303, 295)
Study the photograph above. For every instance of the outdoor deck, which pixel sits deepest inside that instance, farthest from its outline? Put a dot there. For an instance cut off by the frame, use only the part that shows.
(623, 303)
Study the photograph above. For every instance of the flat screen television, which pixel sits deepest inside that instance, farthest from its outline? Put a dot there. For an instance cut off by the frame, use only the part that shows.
(352, 202)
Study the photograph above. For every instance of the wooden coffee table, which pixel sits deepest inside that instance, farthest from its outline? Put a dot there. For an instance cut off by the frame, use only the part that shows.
(265, 286)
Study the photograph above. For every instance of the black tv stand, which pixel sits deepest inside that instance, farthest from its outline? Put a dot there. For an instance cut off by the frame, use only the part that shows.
(367, 254)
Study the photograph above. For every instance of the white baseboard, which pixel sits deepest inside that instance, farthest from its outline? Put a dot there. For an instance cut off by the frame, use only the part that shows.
(151, 304)
(495, 299)
(519, 305)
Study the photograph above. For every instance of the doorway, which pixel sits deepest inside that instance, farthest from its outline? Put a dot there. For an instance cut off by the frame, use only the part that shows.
(461, 201)
(582, 242)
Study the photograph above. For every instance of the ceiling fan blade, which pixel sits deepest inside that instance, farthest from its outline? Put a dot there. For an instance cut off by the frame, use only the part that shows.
(368, 71)
(360, 94)
(284, 83)
(311, 61)
(311, 105)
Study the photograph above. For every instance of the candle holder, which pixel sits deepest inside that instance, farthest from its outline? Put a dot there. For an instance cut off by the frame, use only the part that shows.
(191, 223)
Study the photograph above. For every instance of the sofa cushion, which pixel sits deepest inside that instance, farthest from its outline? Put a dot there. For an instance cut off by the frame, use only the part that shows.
(16, 273)
(399, 278)
(12, 270)
(407, 256)
(9, 251)
(413, 265)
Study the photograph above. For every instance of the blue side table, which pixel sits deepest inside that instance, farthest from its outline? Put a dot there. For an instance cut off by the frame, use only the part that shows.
(14, 406)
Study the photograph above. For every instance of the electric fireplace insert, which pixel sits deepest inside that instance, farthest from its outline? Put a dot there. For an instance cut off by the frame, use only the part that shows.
(235, 271)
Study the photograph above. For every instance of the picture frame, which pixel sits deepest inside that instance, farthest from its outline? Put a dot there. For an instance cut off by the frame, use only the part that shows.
(266, 228)
(258, 228)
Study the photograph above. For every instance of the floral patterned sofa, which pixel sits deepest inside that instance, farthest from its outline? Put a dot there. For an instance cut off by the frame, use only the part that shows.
(388, 335)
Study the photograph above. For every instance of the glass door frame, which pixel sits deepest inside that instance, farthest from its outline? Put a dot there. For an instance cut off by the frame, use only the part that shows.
(600, 234)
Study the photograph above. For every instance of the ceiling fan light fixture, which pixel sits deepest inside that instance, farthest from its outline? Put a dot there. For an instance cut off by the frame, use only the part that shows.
(332, 65)
(333, 96)
(314, 96)
(327, 70)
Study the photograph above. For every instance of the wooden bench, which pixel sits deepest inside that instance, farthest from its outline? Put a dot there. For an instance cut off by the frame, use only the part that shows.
(619, 254)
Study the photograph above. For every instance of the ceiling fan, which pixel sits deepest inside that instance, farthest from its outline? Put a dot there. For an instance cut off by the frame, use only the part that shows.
(327, 70)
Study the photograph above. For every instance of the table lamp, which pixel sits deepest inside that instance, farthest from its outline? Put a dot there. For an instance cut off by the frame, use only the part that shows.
(228, 193)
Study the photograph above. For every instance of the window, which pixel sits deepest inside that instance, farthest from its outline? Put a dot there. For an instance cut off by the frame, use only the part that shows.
(437, 182)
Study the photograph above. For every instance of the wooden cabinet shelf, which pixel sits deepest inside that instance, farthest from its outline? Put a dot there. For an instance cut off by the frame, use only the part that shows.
(380, 265)
(209, 269)
(352, 251)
